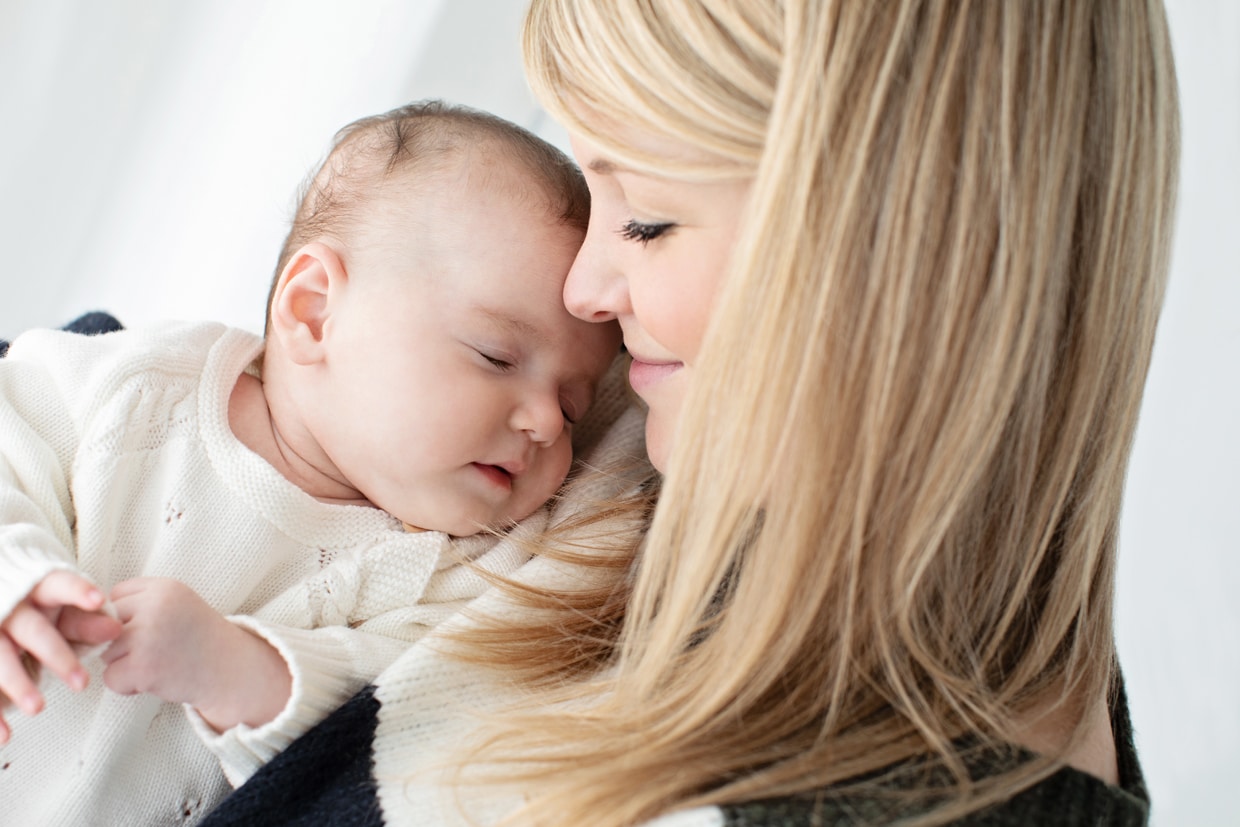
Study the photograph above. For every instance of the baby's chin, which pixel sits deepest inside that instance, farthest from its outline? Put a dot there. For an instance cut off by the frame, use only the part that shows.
(489, 511)
(453, 530)
(471, 528)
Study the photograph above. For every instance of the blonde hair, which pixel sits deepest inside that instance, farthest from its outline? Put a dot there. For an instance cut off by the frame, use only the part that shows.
(933, 338)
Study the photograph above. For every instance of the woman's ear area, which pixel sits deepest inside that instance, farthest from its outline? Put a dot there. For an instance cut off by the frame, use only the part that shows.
(301, 301)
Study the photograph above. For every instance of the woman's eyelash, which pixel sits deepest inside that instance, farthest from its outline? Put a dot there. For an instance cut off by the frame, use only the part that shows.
(645, 233)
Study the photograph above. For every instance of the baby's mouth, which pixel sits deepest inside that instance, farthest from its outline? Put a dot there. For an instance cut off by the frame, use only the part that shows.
(497, 474)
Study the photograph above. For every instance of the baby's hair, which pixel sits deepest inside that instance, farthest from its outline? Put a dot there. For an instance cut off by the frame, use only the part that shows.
(423, 135)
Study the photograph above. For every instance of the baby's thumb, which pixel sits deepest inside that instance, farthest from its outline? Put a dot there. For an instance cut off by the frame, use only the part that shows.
(67, 588)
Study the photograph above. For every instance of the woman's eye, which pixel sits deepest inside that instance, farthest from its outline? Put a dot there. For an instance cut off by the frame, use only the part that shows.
(634, 230)
(570, 414)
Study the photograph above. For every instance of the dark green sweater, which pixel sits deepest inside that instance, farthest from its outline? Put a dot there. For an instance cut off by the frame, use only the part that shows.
(1065, 799)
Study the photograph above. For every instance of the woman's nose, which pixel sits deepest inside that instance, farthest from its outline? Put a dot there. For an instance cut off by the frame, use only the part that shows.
(596, 290)
(540, 416)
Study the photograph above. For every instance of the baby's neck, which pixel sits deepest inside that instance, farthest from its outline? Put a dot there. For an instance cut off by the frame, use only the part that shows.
(251, 421)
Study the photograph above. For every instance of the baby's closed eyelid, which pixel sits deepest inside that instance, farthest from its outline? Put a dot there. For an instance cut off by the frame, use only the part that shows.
(500, 361)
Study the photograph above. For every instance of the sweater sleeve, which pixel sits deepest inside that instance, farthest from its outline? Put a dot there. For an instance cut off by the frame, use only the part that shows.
(327, 666)
(38, 441)
(395, 599)
(323, 777)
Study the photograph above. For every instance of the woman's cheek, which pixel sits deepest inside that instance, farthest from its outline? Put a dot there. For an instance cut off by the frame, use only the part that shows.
(675, 319)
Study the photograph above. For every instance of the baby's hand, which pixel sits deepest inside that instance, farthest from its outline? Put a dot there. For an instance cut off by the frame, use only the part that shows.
(170, 641)
(176, 647)
(64, 608)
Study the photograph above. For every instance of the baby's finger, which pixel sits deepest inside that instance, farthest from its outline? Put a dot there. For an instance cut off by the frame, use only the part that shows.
(15, 679)
(87, 628)
(127, 588)
(66, 588)
(34, 633)
(117, 677)
(116, 650)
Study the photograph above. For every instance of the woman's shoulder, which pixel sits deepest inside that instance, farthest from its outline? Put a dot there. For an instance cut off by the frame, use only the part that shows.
(1068, 797)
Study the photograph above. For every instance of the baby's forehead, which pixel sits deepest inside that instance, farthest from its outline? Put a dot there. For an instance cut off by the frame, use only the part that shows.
(475, 181)
(511, 322)
(481, 161)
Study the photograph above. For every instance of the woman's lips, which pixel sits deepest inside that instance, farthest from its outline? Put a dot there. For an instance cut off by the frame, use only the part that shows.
(642, 375)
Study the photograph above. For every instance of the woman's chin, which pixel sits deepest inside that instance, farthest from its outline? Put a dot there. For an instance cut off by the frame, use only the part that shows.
(659, 441)
(664, 401)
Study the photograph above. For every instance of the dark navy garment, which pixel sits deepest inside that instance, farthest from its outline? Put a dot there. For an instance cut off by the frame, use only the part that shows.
(88, 324)
(326, 778)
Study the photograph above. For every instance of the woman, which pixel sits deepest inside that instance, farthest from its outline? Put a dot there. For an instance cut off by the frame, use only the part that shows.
(889, 274)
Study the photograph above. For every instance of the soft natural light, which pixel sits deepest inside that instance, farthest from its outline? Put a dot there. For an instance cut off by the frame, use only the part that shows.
(151, 152)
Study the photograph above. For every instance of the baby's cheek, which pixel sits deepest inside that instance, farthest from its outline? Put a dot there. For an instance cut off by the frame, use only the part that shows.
(564, 458)
(555, 464)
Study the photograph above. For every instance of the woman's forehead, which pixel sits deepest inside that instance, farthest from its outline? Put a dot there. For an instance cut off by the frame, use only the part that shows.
(636, 151)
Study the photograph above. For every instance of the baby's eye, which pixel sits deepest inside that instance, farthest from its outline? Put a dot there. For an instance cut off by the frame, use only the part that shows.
(497, 363)
(634, 230)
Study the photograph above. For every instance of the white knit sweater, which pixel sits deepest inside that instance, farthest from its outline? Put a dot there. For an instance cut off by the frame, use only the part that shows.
(433, 707)
(117, 460)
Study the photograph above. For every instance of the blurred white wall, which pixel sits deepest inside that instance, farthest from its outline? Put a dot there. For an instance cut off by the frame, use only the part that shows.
(1178, 613)
(149, 153)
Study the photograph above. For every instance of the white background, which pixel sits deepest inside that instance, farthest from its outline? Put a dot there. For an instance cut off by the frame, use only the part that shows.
(150, 151)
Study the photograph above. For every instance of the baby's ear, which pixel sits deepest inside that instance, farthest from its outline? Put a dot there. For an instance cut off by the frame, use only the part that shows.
(300, 303)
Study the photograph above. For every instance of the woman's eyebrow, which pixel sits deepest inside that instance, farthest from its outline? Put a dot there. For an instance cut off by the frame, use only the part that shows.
(602, 166)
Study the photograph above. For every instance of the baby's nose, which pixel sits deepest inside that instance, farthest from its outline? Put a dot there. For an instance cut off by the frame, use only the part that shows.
(541, 418)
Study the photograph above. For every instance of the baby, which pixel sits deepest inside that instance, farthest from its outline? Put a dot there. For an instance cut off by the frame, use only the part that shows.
(266, 514)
